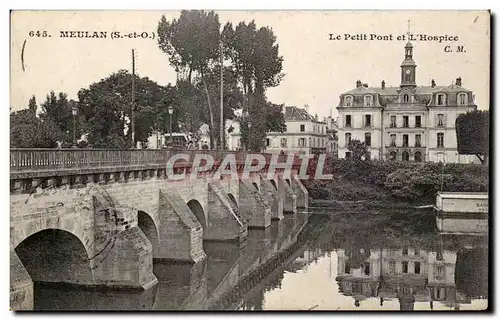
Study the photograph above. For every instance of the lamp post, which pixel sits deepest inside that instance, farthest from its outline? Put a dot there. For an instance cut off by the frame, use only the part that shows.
(74, 110)
(170, 112)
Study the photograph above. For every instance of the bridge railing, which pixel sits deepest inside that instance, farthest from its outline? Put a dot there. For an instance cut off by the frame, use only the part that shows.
(61, 159)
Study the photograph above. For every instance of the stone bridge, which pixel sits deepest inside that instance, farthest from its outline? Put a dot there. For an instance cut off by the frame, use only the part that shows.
(98, 218)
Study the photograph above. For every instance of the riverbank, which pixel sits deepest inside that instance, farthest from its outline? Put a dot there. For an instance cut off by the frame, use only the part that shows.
(361, 184)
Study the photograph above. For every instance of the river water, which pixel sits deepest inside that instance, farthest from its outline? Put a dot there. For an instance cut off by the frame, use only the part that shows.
(373, 260)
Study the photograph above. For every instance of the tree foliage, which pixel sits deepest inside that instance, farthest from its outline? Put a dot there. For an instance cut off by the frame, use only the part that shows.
(358, 149)
(254, 56)
(29, 131)
(472, 131)
(192, 44)
(106, 109)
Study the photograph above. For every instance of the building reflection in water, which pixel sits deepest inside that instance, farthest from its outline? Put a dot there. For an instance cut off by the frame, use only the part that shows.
(240, 277)
(407, 274)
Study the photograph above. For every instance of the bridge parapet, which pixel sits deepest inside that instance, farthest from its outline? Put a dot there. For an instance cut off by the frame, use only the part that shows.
(32, 163)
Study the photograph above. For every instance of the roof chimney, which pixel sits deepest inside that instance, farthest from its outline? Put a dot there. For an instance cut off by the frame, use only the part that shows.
(433, 83)
(306, 107)
(383, 84)
(459, 82)
(358, 83)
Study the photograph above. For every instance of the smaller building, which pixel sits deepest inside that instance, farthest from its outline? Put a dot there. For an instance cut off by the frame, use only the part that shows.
(304, 134)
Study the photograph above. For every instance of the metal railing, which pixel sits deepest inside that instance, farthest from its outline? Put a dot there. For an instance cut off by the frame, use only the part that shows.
(26, 160)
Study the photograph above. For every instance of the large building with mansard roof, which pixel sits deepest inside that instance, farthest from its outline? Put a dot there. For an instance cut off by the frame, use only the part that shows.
(407, 122)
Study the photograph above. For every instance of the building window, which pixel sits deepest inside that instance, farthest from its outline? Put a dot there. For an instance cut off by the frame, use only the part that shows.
(440, 120)
(405, 156)
(393, 140)
(347, 139)
(462, 99)
(418, 156)
(347, 120)
(367, 269)
(439, 272)
(418, 121)
(368, 120)
(440, 293)
(418, 140)
(348, 154)
(368, 101)
(368, 139)
(392, 267)
(440, 140)
(406, 98)
(406, 122)
(439, 256)
(268, 142)
(405, 140)
(302, 142)
(347, 268)
(348, 101)
(393, 121)
(405, 266)
(417, 252)
(417, 267)
(283, 142)
(302, 128)
(405, 251)
(441, 99)
(392, 155)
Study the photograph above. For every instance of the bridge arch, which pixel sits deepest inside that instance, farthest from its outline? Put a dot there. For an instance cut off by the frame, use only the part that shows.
(274, 184)
(197, 209)
(55, 255)
(148, 226)
(233, 199)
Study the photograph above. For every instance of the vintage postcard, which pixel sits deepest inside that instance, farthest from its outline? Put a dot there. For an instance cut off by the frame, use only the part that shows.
(249, 160)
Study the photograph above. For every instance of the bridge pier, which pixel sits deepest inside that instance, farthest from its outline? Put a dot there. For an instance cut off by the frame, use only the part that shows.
(223, 223)
(300, 191)
(254, 209)
(123, 255)
(273, 196)
(21, 285)
(180, 233)
(290, 199)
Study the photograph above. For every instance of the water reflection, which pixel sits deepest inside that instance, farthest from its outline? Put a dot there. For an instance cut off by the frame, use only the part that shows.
(328, 263)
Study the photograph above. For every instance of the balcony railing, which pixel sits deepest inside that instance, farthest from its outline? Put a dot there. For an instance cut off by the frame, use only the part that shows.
(29, 160)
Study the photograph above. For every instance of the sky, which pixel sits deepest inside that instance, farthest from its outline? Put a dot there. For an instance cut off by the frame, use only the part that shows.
(317, 69)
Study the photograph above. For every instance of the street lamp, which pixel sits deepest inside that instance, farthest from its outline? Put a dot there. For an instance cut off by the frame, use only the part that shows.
(170, 112)
(74, 111)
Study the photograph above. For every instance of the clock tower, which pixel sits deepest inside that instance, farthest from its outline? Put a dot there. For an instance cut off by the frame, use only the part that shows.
(408, 66)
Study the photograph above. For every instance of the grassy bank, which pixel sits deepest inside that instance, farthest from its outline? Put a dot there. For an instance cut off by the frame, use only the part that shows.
(391, 183)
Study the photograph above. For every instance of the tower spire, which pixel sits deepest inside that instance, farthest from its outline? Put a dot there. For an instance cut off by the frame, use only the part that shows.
(408, 66)
(409, 30)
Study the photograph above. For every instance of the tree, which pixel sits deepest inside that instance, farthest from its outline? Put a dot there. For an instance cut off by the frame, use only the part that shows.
(275, 119)
(58, 110)
(472, 131)
(192, 44)
(257, 64)
(32, 105)
(29, 131)
(105, 108)
(359, 150)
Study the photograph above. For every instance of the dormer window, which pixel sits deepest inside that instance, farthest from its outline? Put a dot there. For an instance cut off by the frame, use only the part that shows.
(348, 101)
(368, 101)
(462, 99)
(441, 99)
(406, 98)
